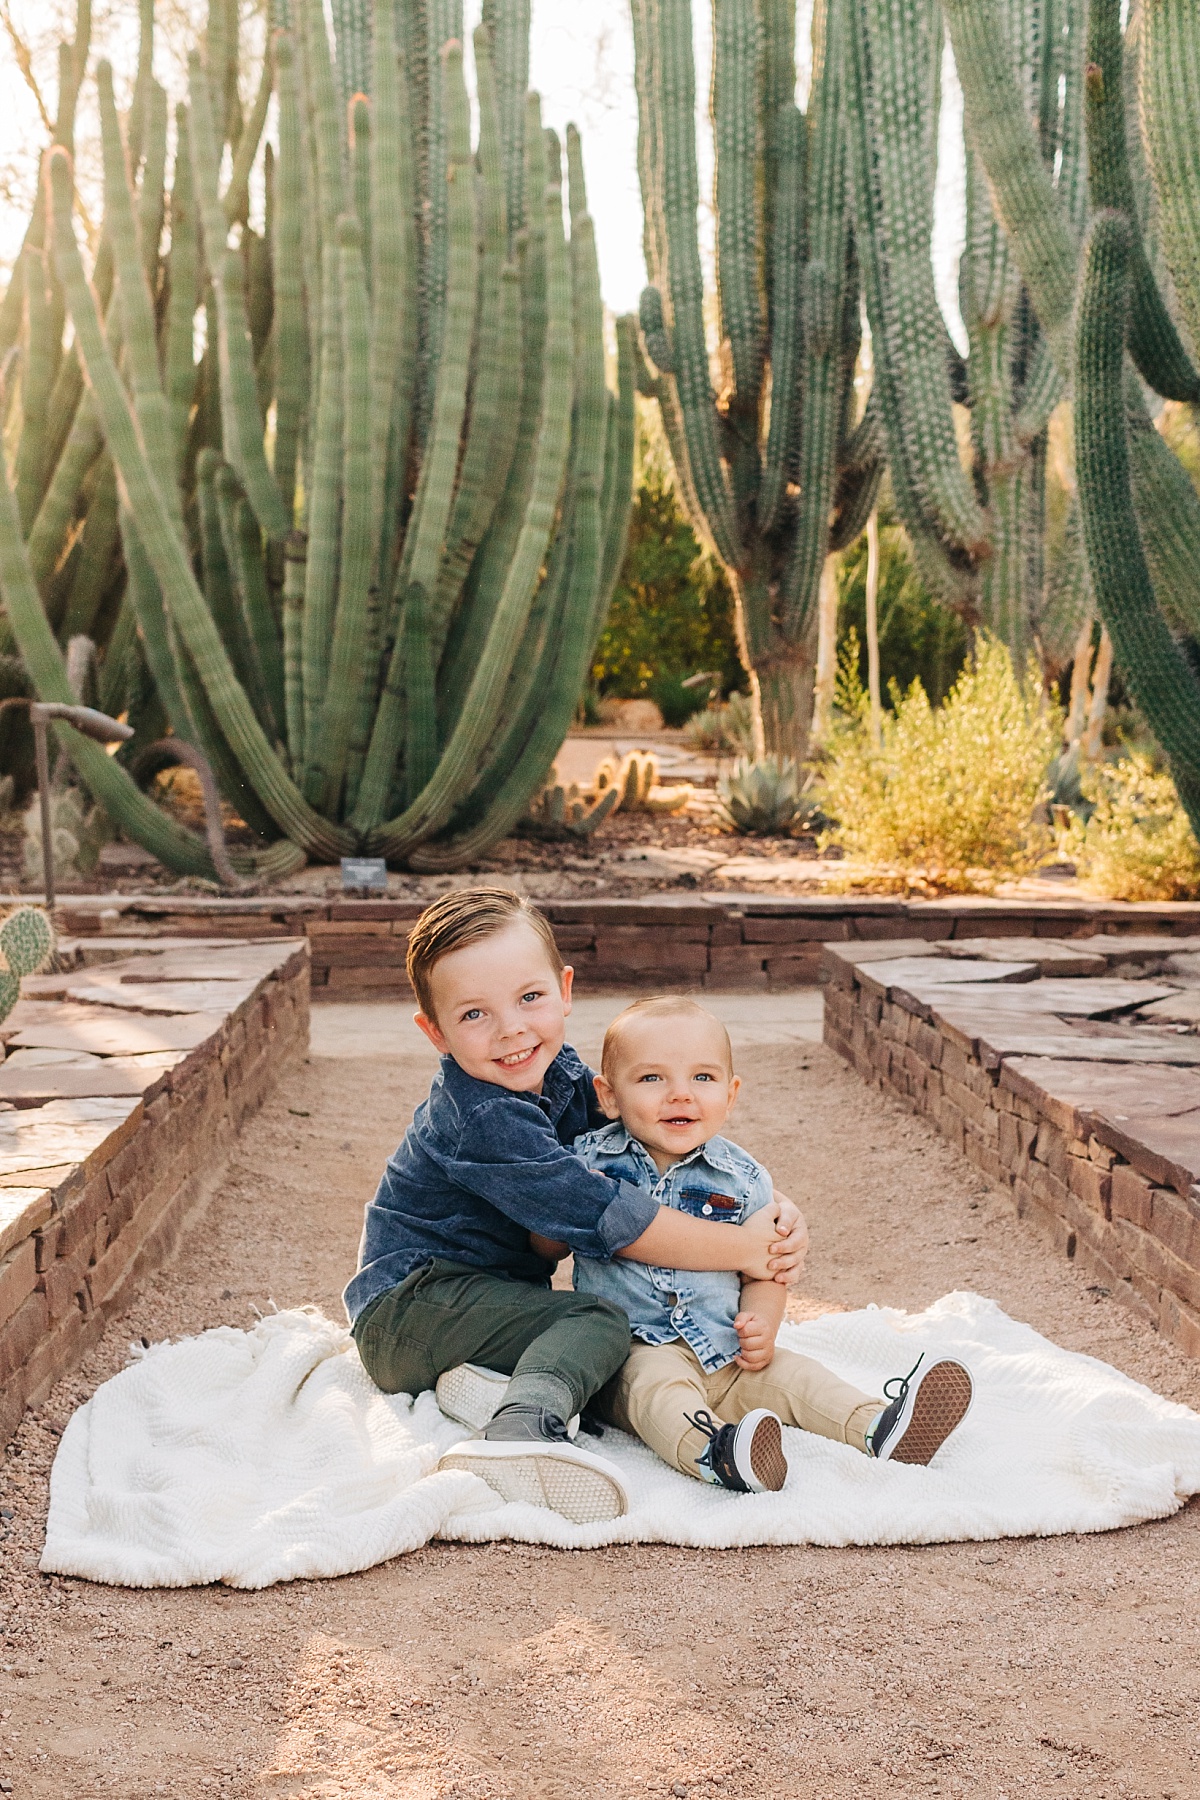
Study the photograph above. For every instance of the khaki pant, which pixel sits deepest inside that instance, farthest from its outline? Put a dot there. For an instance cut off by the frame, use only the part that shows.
(660, 1383)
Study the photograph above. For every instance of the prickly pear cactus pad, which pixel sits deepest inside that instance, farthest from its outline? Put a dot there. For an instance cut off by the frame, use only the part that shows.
(26, 945)
(26, 941)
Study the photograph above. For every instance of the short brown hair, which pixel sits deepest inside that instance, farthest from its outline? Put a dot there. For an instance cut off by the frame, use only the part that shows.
(462, 917)
(658, 1006)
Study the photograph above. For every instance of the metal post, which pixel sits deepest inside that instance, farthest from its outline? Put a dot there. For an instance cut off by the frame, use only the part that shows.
(38, 720)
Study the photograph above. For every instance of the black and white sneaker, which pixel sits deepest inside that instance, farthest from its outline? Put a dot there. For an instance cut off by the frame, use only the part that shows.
(525, 1454)
(747, 1457)
(924, 1409)
(472, 1395)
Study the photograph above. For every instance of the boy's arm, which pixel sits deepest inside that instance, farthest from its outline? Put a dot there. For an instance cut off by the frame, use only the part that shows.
(551, 1250)
(508, 1154)
(675, 1240)
(760, 1314)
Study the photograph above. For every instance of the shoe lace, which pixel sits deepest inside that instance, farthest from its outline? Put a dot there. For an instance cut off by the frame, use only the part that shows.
(901, 1382)
(704, 1421)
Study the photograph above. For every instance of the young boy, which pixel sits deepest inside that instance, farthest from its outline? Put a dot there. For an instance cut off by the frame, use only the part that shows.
(704, 1385)
(447, 1275)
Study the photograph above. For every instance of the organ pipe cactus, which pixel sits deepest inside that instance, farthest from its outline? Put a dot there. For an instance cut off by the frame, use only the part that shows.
(1140, 513)
(773, 488)
(977, 538)
(373, 618)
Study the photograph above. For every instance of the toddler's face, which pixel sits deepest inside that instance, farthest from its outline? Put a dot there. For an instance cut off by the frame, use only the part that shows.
(670, 1083)
(500, 1009)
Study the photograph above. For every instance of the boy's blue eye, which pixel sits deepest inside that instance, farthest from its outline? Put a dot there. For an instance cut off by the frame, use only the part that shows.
(649, 1077)
(533, 994)
(703, 1077)
(472, 1012)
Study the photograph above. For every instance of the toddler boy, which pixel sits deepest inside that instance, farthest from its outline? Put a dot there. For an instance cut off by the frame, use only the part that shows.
(704, 1385)
(447, 1274)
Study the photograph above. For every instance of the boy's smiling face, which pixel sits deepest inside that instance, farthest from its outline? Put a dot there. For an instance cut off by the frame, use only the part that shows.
(670, 1083)
(500, 1009)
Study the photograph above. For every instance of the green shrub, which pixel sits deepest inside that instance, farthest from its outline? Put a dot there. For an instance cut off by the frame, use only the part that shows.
(954, 792)
(672, 610)
(1137, 843)
(724, 730)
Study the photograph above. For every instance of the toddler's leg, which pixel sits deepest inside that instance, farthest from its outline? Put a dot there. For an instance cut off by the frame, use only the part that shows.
(803, 1393)
(651, 1396)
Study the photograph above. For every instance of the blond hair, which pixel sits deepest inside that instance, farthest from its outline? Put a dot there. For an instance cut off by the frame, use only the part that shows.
(465, 916)
(659, 1006)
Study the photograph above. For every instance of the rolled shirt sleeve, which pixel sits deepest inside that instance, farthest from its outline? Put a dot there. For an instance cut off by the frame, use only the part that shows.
(508, 1155)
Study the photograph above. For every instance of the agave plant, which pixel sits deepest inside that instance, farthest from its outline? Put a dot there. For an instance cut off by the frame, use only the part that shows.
(764, 798)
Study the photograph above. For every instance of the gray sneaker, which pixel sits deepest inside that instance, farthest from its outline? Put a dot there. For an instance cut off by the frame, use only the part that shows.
(525, 1454)
(472, 1395)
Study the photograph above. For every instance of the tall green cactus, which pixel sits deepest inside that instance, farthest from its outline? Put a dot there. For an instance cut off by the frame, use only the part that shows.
(978, 540)
(770, 488)
(374, 618)
(1140, 512)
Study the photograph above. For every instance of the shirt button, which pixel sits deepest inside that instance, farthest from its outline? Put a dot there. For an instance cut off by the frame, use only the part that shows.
(706, 1208)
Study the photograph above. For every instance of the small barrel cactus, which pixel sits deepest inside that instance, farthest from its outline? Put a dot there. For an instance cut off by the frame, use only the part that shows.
(79, 831)
(26, 945)
(565, 812)
(762, 799)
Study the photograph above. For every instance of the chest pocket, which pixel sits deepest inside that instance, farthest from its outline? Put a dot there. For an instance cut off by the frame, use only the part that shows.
(702, 1204)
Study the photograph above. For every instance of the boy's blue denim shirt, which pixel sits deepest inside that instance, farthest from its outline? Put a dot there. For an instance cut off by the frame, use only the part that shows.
(718, 1181)
(480, 1168)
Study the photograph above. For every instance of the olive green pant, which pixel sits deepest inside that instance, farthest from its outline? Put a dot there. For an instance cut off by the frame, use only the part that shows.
(559, 1347)
(661, 1383)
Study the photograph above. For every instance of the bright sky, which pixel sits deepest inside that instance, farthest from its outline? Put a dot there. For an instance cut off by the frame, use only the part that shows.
(582, 64)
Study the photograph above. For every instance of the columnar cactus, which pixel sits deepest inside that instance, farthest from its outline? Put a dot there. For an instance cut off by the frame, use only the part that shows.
(375, 619)
(772, 488)
(1140, 513)
(977, 539)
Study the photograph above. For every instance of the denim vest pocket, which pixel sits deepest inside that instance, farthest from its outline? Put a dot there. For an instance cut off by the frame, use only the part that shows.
(702, 1203)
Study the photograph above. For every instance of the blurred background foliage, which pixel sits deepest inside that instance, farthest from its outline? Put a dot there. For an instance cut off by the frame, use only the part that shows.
(671, 615)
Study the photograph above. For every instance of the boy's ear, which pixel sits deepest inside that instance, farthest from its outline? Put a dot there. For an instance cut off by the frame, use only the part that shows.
(568, 983)
(607, 1098)
(432, 1031)
(735, 1083)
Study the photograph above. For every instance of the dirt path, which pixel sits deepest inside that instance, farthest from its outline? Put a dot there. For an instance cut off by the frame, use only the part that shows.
(1061, 1667)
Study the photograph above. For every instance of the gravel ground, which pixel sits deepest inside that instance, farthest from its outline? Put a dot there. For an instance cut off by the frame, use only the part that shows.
(1060, 1667)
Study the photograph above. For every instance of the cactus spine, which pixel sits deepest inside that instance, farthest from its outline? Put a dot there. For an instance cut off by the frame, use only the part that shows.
(371, 627)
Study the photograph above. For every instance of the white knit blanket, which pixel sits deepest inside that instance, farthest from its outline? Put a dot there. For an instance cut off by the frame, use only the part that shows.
(251, 1457)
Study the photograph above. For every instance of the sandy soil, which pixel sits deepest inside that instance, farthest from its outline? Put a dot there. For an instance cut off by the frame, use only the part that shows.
(1061, 1667)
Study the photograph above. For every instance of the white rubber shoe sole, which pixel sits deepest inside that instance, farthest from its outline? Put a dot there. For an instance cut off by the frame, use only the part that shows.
(472, 1395)
(582, 1487)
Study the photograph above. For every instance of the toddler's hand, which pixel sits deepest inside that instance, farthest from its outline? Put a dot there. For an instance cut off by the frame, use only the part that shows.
(790, 1248)
(757, 1340)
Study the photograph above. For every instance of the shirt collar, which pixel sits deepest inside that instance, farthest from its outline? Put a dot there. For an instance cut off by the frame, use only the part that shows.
(559, 1085)
(616, 1137)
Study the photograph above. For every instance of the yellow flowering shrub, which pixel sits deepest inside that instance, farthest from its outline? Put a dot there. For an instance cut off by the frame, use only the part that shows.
(1138, 844)
(953, 794)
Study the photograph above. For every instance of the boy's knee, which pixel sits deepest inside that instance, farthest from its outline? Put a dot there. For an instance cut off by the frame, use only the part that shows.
(611, 1326)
